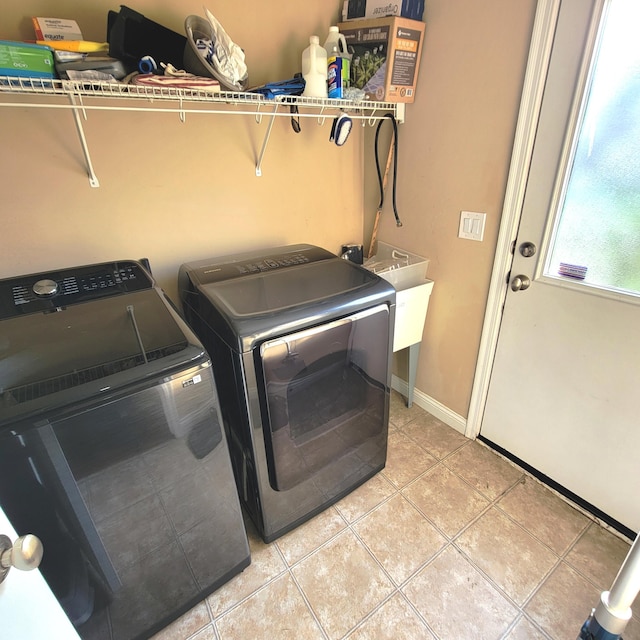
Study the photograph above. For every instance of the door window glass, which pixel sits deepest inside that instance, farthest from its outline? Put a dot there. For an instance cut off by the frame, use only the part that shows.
(597, 235)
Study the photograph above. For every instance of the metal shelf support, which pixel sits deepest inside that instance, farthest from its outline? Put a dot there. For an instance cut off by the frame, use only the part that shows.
(266, 140)
(93, 179)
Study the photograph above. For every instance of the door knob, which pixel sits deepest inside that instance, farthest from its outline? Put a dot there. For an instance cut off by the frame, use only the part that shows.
(528, 249)
(24, 554)
(520, 283)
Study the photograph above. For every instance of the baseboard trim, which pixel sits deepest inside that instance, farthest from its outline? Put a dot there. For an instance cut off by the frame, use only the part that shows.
(431, 405)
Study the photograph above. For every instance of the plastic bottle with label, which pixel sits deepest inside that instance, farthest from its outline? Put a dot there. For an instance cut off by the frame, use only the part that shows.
(314, 69)
(338, 63)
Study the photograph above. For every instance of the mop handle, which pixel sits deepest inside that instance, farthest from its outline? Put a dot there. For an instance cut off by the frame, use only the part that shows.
(626, 585)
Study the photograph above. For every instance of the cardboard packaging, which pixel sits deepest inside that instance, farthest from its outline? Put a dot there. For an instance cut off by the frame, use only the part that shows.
(20, 59)
(56, 29)
(368, 9)
(385, 56)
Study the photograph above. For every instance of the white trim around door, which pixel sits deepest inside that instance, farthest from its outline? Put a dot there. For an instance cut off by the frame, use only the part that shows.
(532, 91)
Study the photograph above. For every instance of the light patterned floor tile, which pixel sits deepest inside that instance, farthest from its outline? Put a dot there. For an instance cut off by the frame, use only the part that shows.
(399, 537)
(365, 498)
(510, 556)
(548, 517)
(399, 413)
(186, 625)
(445, 499)
(563, 603)
(526, 630)
(394, 620)
(632, 632)
(598, 556)
(343, 584)
(208, 633)
(405, 460)
(277, 611)
(306, 538)
(457, 602)
(433, 435)
(266, 563)
(483, 469)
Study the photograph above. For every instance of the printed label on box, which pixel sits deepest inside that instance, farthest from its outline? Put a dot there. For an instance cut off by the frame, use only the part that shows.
(56, 29)
(405, 55)
(385, 57)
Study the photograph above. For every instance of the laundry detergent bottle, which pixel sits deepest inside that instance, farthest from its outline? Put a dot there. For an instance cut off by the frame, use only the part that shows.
(338, 63)
(314, 69)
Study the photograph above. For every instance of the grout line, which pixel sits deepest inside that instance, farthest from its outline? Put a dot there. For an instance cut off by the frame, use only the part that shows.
(417, 613)
(216, 635)
(370, 614)
(309, 606)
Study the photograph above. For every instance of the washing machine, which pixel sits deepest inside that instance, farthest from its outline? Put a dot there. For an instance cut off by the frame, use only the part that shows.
(112, 450)
(302, 344)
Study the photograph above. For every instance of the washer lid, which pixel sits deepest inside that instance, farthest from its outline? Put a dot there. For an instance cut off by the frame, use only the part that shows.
(87, 347)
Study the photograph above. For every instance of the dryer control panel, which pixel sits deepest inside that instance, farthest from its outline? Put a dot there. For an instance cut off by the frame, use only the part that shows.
(53, 290)
(255, 262)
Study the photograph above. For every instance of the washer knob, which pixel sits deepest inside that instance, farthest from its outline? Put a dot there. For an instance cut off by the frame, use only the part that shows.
(45, 288)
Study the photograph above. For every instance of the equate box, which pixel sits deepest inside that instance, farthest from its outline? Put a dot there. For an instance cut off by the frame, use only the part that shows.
(56, 29)
(25, 60)
(385, 56)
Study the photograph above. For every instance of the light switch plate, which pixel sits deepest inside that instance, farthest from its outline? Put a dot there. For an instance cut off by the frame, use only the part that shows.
(472, 225)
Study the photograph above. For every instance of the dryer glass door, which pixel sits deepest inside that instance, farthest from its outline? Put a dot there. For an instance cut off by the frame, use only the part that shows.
(326, 396)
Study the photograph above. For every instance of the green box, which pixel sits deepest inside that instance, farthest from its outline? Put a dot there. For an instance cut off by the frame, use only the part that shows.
(21, 59)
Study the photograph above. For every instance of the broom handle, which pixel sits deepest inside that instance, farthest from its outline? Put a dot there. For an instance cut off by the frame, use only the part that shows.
(374, 235)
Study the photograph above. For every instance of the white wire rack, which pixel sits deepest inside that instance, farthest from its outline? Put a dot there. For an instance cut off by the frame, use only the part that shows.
(83, 96)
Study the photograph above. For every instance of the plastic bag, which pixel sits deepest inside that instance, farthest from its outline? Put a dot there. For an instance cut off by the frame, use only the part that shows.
(228, 57)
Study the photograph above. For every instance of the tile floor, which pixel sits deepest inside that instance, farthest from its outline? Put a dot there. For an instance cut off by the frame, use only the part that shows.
(449, 541)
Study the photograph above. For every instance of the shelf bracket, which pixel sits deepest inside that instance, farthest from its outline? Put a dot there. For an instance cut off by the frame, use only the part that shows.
(93, 179)
(266, 140)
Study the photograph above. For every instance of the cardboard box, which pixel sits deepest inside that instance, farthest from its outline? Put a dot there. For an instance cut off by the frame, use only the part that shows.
(56, 29)
(369, 9)
(385, 56)
(20, 59)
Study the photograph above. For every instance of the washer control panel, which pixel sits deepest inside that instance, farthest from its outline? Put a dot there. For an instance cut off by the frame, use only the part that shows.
(58, 289)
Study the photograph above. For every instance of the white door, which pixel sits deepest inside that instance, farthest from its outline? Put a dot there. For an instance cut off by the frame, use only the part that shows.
(28, 609)
(564, 390)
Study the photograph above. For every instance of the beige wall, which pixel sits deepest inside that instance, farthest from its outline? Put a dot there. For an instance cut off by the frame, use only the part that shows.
(454, 156)
(173, 191)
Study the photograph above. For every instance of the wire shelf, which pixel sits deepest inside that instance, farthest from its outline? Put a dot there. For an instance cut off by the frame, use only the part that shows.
(81, 96)
(82, 89)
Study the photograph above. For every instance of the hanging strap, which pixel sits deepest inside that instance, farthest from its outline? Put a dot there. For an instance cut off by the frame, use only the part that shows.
(395, 166)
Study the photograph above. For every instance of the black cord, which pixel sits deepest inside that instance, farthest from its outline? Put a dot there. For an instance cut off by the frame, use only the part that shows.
(395, 166)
